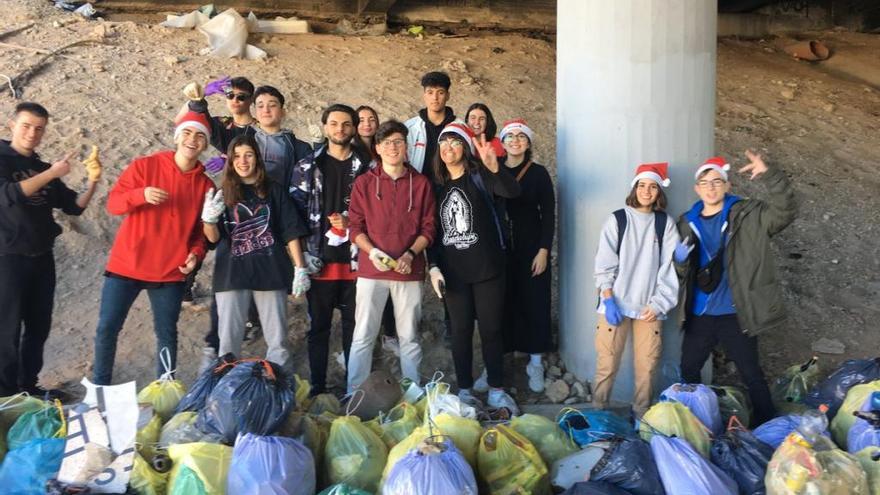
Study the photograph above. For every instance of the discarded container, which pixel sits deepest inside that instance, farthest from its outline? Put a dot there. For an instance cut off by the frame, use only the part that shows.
(773, 432)
(798, 467)
(700, 400)
(433, 468)
(796, 382)
(146, 481)
(268, 465)
(844, 419)
(811, 51)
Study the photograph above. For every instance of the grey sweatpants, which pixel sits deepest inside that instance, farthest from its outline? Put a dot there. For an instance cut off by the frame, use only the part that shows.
(232, 310)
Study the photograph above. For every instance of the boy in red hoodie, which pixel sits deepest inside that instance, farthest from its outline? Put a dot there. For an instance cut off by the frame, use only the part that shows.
(159, 242)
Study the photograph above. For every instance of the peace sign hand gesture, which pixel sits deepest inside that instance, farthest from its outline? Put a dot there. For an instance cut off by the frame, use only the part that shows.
(756, 165)
(486, 152)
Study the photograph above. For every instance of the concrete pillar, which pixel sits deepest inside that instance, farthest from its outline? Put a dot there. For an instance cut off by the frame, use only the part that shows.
(635, 84)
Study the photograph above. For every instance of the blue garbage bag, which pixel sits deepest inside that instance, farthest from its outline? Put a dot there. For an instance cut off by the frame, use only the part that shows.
(588, 426)
(198, 394)
(446, 472)
(595, 488)
(701, 401)
(773, 432)
(628, 464)
(255, 397)
(343, 489)
(267, 465)
(685, 472)
(832, 390)
(865, 431)
(743, 457)
(26, 469)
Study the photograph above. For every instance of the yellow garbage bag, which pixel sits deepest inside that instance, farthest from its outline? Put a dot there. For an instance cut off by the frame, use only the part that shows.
(552, 443)
(303, 427)
(148, 437)
(11, 408)
(507, 463)
(844, 419)
(165, 393)
(146, 481)
(325, 403)
(303, 387)
(675, 419)
(354, 454)
(797, 468)
(869, 458)
(393, 427)
(200, 468)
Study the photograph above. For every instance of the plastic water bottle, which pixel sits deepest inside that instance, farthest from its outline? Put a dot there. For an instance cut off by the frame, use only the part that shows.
(813, 423)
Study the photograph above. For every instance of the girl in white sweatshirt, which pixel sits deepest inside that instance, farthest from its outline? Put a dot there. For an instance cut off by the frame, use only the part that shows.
(637, 285)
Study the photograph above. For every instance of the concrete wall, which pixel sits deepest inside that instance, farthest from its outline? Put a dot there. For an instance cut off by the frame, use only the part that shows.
(635, 84)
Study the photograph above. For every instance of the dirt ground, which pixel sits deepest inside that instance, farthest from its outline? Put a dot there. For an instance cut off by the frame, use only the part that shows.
(819, 122)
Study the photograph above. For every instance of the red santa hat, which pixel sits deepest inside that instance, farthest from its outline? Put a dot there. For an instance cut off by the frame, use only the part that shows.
(461, 130)
(657, 172)
(192, 120)
(716, 163)
(516, 125)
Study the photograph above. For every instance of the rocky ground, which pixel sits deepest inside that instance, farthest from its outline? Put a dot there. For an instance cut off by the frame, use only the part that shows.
(819, 121)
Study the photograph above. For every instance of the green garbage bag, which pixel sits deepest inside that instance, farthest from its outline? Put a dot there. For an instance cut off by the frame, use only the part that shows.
(552, 443)
(145, 480)
(844, 418)
(733, 401)
(165, 393)
(508, 463)
(304, 428)
(46, 422)
(393, 427)
(869, 458)
(343, 489)
(200, 468)
(147, 437)
(354, 454)
(675, 419)
(325, 403)
(796, 382)
(11, 408)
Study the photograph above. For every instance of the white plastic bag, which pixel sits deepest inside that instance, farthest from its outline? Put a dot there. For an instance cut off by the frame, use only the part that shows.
(227, 35)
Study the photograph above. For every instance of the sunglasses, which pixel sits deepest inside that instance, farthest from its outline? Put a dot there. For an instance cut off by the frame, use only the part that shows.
(238, 96)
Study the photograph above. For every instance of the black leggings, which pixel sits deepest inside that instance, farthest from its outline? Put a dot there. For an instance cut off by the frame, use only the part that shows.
(485, 301)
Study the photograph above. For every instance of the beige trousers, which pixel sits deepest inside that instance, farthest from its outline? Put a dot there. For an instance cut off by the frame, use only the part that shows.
(610, 343)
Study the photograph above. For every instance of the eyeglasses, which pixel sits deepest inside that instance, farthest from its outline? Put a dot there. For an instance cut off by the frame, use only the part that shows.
(451, 143)
(238, 96)
(509, 138)
(388, 143)
(714, 183)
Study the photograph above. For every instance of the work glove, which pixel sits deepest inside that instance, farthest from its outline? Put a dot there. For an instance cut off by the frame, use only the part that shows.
(215, 165)
(313, 263)
(93, 165)
(612, 312)
(219, 86)
(301, 281)
(213, 206)
(438, 282)
(193, 91)
(381, 260)
(682, 250)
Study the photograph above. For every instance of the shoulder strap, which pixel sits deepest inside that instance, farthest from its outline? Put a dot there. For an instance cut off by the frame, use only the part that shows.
(477, 179)
(660, 219)
(620, 216)
(522, 172)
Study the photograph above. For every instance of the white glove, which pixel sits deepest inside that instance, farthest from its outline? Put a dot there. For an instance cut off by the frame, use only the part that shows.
(213, 206)
(301, 281)
(381, 260)
(313, 263)
(438, 282)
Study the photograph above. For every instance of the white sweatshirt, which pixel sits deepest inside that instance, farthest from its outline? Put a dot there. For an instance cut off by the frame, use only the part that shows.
(638, 277)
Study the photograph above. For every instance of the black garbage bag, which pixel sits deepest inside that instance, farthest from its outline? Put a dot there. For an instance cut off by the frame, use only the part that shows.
(255, 397)
(743, 457)
(832, 390)
(194, 400)
(629, 464)
(595, 488)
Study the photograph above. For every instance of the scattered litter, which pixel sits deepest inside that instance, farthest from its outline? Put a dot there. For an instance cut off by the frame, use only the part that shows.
(86, 10)
(828, 346)
(812, 51)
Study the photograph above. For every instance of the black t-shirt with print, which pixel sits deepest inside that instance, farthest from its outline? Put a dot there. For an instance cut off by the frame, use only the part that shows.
(252, 251)
(335, 198)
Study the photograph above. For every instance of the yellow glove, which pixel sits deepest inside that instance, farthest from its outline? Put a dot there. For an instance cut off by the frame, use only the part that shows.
(93, 165)
(194, 91)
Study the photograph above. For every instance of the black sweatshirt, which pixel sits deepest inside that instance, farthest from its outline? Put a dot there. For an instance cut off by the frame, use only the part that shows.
(26, 223)
(533, 214)
(468, 248)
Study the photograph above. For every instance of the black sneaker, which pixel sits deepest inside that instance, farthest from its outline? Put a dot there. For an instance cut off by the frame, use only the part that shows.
(45, 394)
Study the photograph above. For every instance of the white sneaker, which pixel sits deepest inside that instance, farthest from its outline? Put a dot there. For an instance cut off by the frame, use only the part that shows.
(468, 398)
(482, 383)
(498, 398)
(536, 377)
(209, 357)
(391, 344)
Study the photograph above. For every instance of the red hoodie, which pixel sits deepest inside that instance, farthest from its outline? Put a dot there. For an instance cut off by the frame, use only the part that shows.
(154, 240)
(392, 213)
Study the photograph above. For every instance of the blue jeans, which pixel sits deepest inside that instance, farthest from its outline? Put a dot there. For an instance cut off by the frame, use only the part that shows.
(117, 296)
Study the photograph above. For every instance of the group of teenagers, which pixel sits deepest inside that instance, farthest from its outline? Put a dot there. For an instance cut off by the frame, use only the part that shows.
(360, 221)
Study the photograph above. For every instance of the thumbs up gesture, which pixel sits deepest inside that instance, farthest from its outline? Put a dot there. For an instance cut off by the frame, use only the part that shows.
(93, 165)
(213, 206)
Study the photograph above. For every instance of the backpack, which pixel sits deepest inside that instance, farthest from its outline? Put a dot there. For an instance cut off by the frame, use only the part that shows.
(660, 219)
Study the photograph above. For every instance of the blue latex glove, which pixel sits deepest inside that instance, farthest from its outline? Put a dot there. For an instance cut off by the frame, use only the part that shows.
(219, 86)
(215, 165)
(612, 312)
(682, 250)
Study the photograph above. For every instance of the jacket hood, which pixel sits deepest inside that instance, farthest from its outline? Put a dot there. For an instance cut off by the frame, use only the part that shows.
(450, 115)
(378, 176)
(694, 213)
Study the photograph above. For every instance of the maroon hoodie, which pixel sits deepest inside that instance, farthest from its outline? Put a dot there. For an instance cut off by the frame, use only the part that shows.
(392, 213)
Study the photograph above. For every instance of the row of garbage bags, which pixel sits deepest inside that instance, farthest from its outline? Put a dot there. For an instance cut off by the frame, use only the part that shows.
(245, 426)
